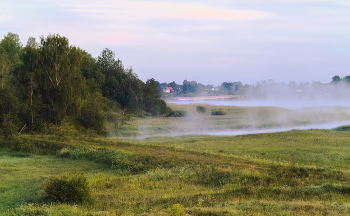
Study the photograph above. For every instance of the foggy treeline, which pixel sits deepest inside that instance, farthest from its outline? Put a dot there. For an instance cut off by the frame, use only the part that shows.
(46, 83)
(337, 88)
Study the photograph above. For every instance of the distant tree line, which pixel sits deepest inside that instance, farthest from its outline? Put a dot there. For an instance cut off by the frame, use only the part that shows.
(337, 88)
(50, 81)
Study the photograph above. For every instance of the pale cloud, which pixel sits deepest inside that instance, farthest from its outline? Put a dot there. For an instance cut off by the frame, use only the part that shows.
(246, 40)
(143, 10)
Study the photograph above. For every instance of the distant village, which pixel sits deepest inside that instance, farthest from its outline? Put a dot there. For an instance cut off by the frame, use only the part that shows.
(336, 88)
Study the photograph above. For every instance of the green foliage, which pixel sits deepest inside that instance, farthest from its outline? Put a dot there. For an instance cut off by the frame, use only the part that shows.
(343, 128)
(63, 130)
(6, 67)
(91, 70)
(9, 107)
(178, 210)
(336, 79)
(59, 78)
(201, 109)
(68, 188)
(12, 46)
(92, 113)
(46, 82)
(178, 113)
(153, 104)
(218, 112)
(121, 85)
(9, 128)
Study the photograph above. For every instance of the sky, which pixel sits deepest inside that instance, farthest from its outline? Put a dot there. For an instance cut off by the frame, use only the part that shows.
(207, 41)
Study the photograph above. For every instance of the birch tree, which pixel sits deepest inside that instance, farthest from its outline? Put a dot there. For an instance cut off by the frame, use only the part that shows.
(59, 77)
(5, 68)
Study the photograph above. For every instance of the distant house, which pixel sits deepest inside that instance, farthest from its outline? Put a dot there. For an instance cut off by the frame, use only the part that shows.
(216, 88)
(168, 89)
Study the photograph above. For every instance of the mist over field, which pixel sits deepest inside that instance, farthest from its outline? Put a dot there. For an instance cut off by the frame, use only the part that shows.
(265, 108)
(237, 132)
(290, 96)
(283, 103)
(242, 117)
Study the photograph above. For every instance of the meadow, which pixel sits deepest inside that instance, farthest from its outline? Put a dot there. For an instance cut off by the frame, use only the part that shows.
(286, 173)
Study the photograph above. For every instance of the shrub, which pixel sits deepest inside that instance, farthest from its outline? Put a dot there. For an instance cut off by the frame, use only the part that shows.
(179, 113)
(343, 128)
(65, 129)
(68, 188)
(201, 109)
(178, 210)
(220, 112)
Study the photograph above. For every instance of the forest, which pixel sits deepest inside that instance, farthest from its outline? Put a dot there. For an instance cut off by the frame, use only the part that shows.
(49, 82)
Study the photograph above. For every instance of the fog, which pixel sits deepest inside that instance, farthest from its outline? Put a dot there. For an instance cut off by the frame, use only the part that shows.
(269, 93)
(265, 108)
(288, 104)
(243, 132)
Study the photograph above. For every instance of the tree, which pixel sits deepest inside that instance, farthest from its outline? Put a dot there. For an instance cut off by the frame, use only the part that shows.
(121, 85)
(12, 46)
(347, 79)
(91, 70)
(185, 87)
(60, 81)
(5, 68)
(153, 103)
(336, 79)
(27, 83)
(9, 106)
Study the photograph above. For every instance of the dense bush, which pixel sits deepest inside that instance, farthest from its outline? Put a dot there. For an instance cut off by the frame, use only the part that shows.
(68, 188)
(201, 109)
(179, 113)
(219, 112)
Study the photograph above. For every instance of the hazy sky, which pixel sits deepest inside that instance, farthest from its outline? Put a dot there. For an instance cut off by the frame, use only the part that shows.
(207, 41)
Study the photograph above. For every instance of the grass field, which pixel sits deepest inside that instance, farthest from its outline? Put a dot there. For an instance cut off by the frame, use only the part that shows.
(296, 172)
(287, 173)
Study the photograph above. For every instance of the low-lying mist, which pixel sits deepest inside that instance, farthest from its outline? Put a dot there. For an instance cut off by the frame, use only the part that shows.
(293, 104)
(331, 125)
(270, 93)
(244, 117)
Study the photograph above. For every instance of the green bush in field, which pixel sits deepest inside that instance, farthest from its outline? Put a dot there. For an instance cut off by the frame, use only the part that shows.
(68, 188)
(219, 112)
(179, 113)
(201, 109)
(342, 128)
(178, 210)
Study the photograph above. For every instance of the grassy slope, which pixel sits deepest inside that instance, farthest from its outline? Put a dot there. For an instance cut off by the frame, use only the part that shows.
(23, 175)
(324, 148)
(207, 175)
